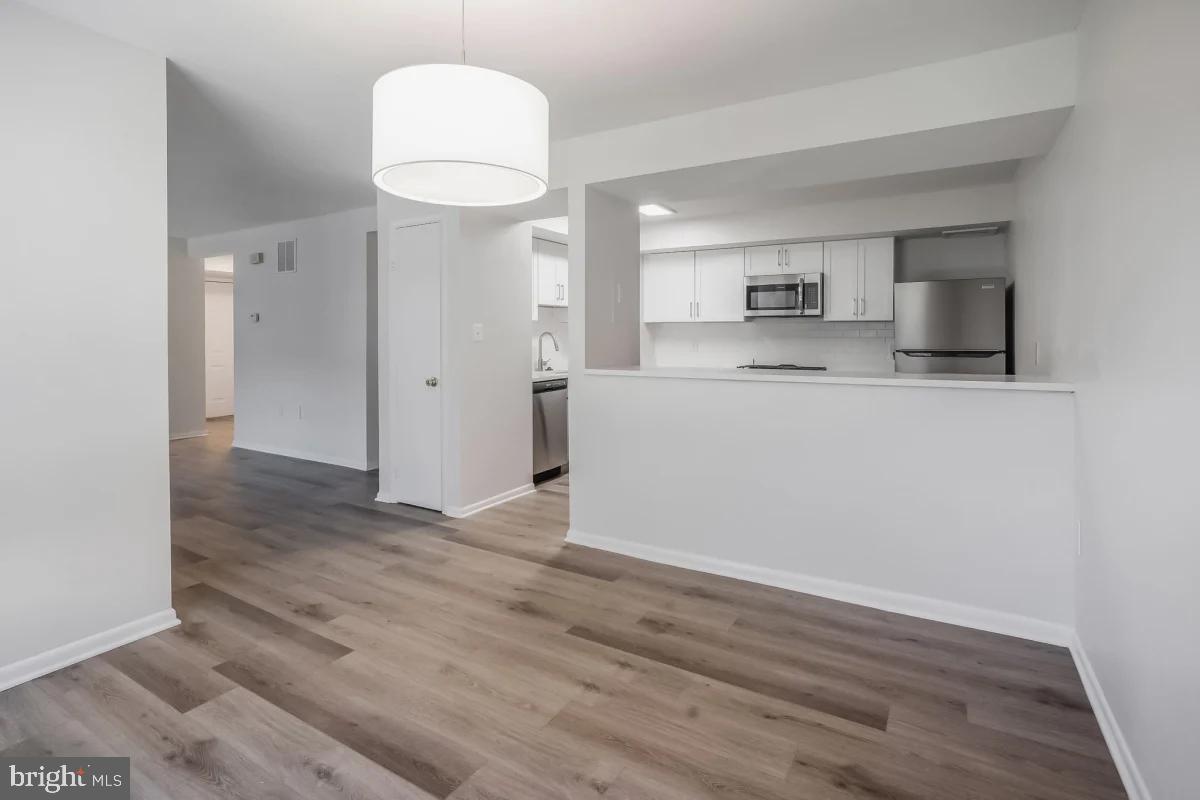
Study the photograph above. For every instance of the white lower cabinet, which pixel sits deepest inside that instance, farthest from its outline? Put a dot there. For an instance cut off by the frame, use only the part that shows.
(860, 280)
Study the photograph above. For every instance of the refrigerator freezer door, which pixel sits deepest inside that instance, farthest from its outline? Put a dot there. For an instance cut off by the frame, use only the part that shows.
(984, 365)
(952, 315)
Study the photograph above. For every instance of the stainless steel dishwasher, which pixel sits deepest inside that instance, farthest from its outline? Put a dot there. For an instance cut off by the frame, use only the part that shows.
(549, 425)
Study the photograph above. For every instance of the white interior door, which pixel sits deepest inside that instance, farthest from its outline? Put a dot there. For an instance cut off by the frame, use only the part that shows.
(415, 356)
(218, 348)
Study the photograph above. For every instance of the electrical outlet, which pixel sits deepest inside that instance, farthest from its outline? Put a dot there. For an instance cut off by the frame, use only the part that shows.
(477, 332)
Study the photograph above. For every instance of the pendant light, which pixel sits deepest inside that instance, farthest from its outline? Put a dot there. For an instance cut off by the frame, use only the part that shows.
(454, 134)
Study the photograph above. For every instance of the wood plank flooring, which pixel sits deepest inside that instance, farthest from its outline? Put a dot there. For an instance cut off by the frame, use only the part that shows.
(333, 647)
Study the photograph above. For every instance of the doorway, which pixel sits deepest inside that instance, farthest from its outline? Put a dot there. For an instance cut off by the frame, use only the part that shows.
(218, 337)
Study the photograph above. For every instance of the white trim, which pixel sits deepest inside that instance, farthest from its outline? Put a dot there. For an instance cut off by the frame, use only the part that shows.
(81, 649)
(458, 512)
(884, 599)
(1122, 756)
(303, 455)
(189, 435)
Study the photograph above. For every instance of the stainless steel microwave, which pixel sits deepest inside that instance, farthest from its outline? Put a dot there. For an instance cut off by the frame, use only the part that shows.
(798, 295)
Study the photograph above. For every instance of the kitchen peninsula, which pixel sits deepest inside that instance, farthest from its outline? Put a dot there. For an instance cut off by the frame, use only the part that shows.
(943, 496)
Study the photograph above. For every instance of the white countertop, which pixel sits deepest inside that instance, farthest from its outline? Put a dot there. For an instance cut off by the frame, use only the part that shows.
(549, 375)
(1005, 382)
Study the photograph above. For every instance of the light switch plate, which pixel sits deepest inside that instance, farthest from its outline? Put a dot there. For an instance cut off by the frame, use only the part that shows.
(477, 332)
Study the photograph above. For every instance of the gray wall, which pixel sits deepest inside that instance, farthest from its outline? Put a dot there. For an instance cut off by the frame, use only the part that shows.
(933, 258)
(1103, 246)
(85, 517)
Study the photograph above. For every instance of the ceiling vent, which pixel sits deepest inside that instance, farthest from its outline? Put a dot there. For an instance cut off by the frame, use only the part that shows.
(286, 262)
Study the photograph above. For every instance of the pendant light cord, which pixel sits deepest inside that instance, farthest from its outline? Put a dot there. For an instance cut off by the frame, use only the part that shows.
(463, 19)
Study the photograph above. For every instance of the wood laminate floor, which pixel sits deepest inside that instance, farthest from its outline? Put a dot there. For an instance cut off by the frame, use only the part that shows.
(333, 647)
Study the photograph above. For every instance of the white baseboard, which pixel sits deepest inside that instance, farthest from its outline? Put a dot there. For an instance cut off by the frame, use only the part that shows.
(1122, 756)
(192, 435)
(459, 512)
(884, 599)
(74, 652)
(303, 455)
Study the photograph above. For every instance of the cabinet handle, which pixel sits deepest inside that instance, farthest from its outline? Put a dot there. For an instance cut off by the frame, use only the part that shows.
(787, 258)
(697, 309)
(779, 258)
(854, 307)
(862, 306)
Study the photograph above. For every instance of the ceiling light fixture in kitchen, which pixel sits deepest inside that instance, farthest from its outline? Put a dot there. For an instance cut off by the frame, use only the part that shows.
(458, 135)
(655, 210)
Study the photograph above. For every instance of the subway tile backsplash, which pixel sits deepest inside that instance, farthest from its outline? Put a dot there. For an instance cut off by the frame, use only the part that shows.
(844, 346)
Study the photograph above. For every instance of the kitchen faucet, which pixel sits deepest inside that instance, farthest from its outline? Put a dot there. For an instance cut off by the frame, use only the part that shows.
(543, 364)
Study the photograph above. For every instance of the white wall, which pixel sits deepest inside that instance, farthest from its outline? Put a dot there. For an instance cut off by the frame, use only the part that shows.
(491, 419)
(1010, 82)
(84, 517)
(302, 371)
(949, 503)
(605, 297)
(1104, 257)
(843, 346)
(874, 215)
(185, 340)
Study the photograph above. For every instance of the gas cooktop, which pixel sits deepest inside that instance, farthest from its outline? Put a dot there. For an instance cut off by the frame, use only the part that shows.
(780, 366)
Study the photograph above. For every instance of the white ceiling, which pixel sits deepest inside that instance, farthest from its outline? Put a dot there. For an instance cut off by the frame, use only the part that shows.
(270, 99)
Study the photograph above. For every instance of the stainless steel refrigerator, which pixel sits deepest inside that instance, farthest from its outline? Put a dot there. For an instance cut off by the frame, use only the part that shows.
(952, 326)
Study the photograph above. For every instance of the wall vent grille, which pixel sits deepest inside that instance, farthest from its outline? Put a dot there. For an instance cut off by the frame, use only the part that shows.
(286, 260)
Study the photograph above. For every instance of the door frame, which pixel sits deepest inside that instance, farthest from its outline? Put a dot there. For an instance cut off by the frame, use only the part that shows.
(383, 330)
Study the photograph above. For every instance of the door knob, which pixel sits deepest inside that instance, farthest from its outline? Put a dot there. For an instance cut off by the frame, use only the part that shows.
(431, 381)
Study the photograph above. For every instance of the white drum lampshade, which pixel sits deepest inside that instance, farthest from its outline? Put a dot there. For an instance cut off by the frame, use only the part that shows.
(458, 135)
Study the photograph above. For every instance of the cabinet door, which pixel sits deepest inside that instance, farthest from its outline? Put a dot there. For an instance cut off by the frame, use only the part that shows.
(720, 285)
(803, 257)
(876, 278)
(560, 271)
(547, 273)
(841, 281)
(668, 287)
(553, 269)
(765, 260)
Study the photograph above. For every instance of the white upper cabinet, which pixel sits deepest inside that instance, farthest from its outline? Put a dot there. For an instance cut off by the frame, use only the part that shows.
(876, 279)
(777, 259)
(860, 279)
(764, 260)
(550, 265)
(841, 281)
(669, 287)
(720, 285)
